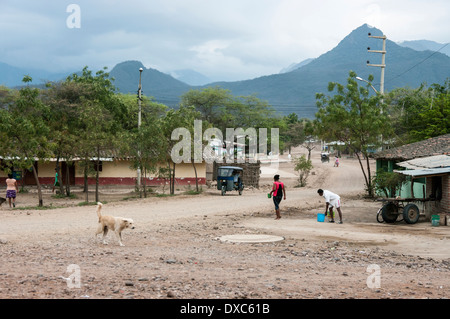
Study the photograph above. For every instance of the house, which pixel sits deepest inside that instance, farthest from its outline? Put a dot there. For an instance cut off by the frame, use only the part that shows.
(436, 171)
(112, 171)
(427, 167)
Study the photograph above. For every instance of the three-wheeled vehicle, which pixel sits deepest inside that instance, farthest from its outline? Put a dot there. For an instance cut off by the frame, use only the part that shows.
(229, 178)
(325, 157)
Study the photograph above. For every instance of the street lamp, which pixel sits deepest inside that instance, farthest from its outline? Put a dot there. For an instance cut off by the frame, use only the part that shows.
(140, 96)
(361, 79)
(139, 126)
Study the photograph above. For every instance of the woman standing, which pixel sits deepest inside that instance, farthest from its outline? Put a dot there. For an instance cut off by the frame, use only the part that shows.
(278, 191)
(11, 190)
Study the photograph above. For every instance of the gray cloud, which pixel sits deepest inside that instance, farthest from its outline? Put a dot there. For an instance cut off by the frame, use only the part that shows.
(225, 40)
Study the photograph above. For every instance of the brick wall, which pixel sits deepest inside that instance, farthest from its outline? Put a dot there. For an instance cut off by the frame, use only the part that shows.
(250, 176)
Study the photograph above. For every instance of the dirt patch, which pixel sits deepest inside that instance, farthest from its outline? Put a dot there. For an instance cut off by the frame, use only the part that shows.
(175, 251)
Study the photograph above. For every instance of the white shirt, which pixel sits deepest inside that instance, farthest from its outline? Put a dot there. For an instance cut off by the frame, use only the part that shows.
(330, 196)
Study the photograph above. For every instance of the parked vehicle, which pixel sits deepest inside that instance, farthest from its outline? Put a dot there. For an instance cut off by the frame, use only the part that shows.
(325, 157)
(229, 178)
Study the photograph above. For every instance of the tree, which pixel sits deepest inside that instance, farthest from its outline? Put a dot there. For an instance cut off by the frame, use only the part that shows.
(183, 119)
(102, 119)
(294, 134)
(419, 114)
(146, 145)
(210, 102)
(25, 131)
(64, 99)
(388, 182)
(354, 117)
(302, 166)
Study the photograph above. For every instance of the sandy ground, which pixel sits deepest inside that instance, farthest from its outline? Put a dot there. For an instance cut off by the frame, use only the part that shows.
(175, 252)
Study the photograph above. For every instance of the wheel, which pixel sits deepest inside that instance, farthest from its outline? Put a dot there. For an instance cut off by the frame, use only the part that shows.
(411, 214)
(389, 212)
(223, 190)
(379, 217)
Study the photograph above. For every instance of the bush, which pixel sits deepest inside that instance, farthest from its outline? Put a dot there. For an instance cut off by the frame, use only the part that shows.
(302, 167)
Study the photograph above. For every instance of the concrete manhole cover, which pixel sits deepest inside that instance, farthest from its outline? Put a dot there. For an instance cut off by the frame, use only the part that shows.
(251, 238)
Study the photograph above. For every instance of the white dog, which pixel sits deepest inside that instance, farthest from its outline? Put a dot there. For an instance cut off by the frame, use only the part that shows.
(115, 224)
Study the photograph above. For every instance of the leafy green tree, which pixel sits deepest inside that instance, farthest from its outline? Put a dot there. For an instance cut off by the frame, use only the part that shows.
(64, 99)
(102, 120)
(354, 117)
(210, 102)
(388, 182)
(183, 118)
(25, 131)
(146, 145)
(419, 114)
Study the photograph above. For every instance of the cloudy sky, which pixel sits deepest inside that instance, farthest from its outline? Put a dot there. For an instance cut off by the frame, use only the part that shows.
(222, 39)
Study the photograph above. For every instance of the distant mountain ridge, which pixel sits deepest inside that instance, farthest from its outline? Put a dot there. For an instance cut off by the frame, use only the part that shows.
(294, 90)
(424, 45)
(12, 76)
(295, 66)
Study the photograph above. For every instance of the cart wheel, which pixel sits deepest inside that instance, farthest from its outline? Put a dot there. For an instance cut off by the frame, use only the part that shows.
(223, 190)
(411, 214)
(379, 217)
(389, 212)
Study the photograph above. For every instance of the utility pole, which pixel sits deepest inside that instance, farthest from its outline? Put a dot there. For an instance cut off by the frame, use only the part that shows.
(383, 59)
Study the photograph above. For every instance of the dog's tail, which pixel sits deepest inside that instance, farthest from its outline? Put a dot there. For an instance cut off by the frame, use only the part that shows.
(99, 208)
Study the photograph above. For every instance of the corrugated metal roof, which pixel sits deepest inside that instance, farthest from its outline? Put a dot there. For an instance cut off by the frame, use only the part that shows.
(438, 161)
(425, 172)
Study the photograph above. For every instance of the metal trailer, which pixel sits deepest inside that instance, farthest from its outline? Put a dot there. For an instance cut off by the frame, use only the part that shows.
(394, 207)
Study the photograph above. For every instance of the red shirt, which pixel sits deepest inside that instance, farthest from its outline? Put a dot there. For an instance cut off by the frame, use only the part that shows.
(280, 186)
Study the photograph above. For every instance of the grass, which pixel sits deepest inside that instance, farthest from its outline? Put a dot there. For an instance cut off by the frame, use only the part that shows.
(38, 207)
(59, 196)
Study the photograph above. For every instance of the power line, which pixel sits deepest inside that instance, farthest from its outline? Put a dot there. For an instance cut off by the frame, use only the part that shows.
(417, 64)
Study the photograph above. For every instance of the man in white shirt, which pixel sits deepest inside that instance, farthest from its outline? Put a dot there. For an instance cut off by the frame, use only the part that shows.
(332, 200)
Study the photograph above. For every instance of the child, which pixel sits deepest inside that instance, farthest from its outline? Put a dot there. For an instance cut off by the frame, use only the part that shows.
(11, 190)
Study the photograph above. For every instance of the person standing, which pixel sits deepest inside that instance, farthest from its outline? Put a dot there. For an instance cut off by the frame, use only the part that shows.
(278, 190)
(336, 162)
(11, 190)
(332, 200)
(56, 183)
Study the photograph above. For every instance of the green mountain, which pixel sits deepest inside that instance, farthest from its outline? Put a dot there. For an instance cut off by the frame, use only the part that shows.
(294, 92)
(12, 76)
(163, 87)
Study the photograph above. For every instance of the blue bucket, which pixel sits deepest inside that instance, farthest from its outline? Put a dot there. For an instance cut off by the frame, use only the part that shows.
(320, 218)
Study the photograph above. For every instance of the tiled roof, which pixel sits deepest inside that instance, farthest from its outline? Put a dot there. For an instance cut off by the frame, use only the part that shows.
(439, 145)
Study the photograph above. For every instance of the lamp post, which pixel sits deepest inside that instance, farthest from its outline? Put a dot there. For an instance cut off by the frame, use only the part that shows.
(361, 79)
(139, 126)
(140, 96)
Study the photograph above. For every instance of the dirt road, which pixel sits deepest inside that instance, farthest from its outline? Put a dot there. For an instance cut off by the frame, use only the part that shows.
(175, 251)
